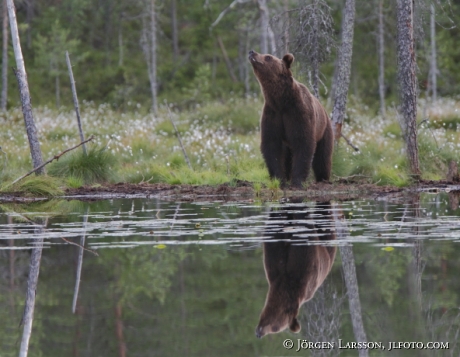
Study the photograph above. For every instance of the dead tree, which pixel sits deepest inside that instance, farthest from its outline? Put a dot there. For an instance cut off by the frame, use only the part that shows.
(407, 81)
(75, 100)
(343, 70)
(24, 93)
(311, 32)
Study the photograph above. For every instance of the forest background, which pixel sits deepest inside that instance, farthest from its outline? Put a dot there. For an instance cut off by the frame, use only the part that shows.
(201, 58)
(105, 40)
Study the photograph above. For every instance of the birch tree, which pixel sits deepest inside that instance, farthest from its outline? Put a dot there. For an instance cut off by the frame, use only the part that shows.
(24, 93)
(264, 21)
(4, 97)
(266, 32)
(342, 80)
(433, 64)
(149, 47)
(407, 80)
(381, 55)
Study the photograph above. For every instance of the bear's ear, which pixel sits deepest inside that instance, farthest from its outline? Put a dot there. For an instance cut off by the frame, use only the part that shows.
(288, 59)
(294, 326)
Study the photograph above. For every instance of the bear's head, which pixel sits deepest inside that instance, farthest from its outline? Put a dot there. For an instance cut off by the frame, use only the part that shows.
(272, 73)
(276, 317)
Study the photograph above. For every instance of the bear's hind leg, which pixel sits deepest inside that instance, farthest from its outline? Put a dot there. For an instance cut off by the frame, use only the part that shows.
(322, 160)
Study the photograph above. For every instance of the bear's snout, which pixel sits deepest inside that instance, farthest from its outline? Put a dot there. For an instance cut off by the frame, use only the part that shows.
(252, 55)
(259, 332)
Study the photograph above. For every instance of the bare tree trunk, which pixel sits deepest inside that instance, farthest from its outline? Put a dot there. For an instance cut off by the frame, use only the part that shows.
(75, 100)
(264, 23)
(433, 64)
(342, 81)
(175, 35)
(5, 58)
(153, 58)
(315, 50)
(407, 80)
(149, 47)
(21, 76)
(286, 29)
(381, 49)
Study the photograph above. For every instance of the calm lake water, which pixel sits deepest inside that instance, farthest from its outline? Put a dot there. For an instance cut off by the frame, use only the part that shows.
(160, 278)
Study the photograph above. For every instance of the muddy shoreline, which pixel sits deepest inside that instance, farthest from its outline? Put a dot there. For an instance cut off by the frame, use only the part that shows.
(239, 191)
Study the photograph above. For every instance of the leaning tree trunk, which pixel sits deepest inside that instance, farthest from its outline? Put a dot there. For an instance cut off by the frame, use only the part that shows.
(407, 80)
(4, 58)
(381, 49)
(21, 76)
(342, 81)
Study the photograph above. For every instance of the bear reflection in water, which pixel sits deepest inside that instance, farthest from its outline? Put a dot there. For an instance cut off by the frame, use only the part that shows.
(296, 263)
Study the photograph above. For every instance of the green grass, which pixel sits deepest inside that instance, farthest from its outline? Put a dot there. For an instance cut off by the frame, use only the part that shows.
(95, 166)
(222, 141)
(33, 185)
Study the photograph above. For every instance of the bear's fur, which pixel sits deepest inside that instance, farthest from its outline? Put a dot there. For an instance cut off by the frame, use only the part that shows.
(296, 131)
(294, 270)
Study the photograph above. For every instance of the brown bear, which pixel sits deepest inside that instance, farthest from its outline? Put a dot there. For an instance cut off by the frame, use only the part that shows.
(294, 268)
(296, 131)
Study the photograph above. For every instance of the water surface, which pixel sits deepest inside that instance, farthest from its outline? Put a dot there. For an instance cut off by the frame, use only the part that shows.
(146, 277)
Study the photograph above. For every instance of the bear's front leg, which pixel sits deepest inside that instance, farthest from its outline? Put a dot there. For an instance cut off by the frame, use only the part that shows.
(272, 145)
(302, 155)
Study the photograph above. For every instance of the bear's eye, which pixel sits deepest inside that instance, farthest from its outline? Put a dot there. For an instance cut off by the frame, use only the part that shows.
(268, 58)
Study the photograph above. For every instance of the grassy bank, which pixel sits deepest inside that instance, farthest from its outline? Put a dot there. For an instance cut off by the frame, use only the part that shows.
(222, 142)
